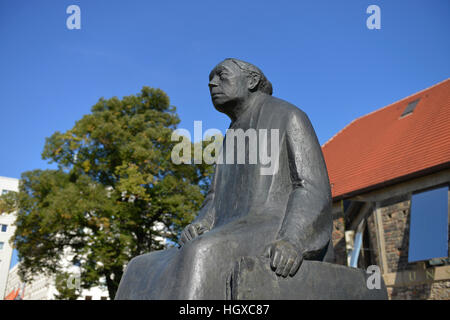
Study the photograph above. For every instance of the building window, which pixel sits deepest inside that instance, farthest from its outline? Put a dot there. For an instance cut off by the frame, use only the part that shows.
(1, 245)
(4, 227)
(428, 233)
(88, 298)
(410, 108)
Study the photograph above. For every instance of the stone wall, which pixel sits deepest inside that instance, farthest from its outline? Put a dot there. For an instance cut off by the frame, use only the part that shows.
(339, 241)
(396, 221)
(439, 290)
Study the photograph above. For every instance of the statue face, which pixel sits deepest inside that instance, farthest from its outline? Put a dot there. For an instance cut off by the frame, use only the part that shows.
(228, 85)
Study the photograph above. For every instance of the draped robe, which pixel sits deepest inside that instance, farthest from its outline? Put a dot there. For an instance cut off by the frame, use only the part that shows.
(245, 211)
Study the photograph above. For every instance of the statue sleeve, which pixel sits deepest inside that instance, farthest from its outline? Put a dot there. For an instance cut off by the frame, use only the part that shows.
(307, 222)
(206, 214)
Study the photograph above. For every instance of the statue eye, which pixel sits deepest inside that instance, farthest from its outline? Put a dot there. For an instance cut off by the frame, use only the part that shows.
(222, 75)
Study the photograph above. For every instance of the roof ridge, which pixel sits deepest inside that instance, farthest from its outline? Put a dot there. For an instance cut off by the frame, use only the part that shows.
(370, 113)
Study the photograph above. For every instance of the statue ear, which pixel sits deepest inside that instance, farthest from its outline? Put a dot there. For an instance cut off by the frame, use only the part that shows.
(253, 81)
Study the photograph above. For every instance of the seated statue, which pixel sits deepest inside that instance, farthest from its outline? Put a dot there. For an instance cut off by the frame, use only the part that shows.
(283, 216)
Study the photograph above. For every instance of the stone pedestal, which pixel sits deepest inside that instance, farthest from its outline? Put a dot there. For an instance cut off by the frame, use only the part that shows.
(252, 279)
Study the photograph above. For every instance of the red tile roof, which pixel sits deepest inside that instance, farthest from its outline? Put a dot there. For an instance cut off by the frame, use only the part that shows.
(383, 147)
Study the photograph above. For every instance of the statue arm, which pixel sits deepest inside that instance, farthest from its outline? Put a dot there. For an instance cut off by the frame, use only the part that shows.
(307, 224)
(205, 217)
(206, 214)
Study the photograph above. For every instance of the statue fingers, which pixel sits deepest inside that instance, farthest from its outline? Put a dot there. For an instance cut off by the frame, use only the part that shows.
(268, 251)
(281, 264)
(183, 238)
(275, 259)
(296, 265)
(192, 230)
(289, 265)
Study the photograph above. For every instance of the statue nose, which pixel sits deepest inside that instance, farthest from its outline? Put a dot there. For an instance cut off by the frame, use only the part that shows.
(212, 84)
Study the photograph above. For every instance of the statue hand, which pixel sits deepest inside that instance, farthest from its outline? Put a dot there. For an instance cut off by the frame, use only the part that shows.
(192, 231)
(285, 258)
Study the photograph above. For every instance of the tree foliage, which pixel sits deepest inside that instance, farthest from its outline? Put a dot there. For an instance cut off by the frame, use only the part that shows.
(116, 193)
(65, 291)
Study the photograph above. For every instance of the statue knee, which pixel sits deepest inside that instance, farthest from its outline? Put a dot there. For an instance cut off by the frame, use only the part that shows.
(201, 248)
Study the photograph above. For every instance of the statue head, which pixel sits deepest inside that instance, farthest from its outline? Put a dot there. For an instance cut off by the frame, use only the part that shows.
(233, 81)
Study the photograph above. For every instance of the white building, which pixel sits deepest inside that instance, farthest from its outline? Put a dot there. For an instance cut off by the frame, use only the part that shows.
(6, 232)
(42, 287)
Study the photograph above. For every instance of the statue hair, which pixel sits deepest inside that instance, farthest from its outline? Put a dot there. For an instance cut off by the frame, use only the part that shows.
(264, 84)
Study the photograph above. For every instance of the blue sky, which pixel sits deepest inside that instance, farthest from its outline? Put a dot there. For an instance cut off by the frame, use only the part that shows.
(319, 55)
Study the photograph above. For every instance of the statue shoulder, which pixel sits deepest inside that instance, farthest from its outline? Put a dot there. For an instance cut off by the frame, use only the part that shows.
(285, 109)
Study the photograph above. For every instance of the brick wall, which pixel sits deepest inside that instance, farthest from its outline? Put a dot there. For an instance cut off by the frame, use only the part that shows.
(396, 221)
(429, 291)
(338, 237)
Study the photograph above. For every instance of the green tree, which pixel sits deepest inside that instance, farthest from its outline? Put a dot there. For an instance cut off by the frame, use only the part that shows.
(66, 292)
(114, 195)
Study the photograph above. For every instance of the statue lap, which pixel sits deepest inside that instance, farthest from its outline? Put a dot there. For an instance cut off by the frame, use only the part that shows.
(201, 268)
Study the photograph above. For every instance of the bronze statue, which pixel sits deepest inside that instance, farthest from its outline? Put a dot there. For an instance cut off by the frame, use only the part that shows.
(284, 217)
